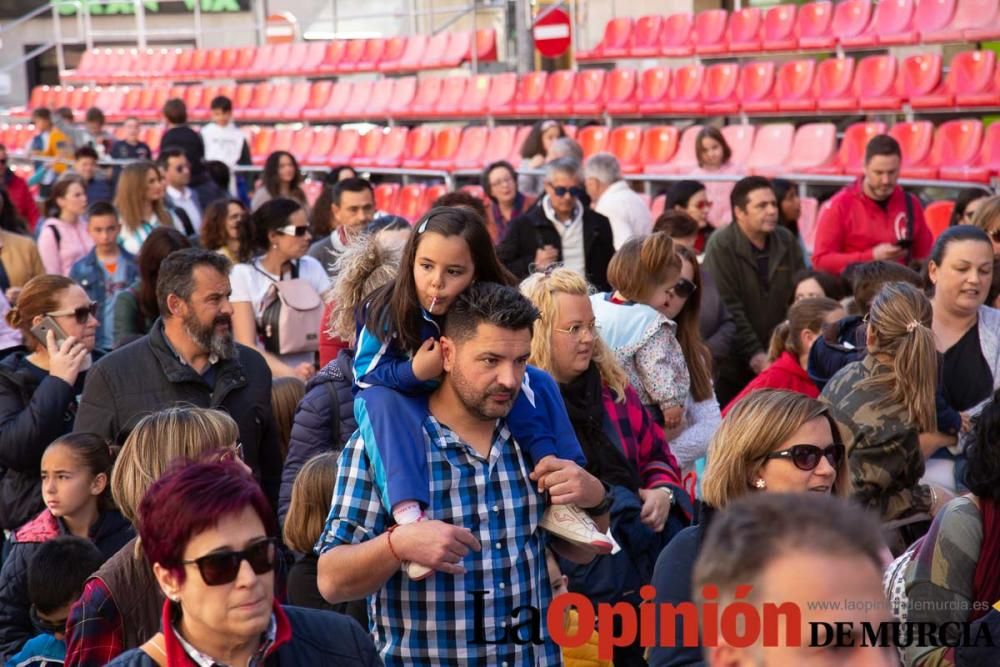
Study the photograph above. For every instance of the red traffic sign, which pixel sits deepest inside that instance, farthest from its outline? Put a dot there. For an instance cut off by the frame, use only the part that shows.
(552, 33)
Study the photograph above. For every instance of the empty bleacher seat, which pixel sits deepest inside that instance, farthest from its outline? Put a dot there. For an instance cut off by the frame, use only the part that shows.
(813, 26)
(875, 83)
(531, 89)
(971, 81)
(659, 143)
(503, 91)
(418, 144)
(391, 150)
(589, 92)
(851, 152)
(436, 51)
(410, 202)
(426, 99)
(593, 139)
(653, 95)
(779, 28)
(394, 48)
(322, 144)
(368, 147)
(676, 35)
(357, 105)
(986, 164)
(445, 148)
(915, 141)
(685, 90)
(718, 92)
(744, 33)
(794, 86)
(956, 145)
(771, 149)
(709, 31)
(851, 18)
(344, 147)
(625, 143)
(476, 99)
(646, 36)
(614, 43)
(558, 98)
(741, 142)
(683, 159)
(833, 88)
(403, 94)
(453, 91)
(385, 197)
(620, 92)
(814, 145)
(471, 148)
(755, 89)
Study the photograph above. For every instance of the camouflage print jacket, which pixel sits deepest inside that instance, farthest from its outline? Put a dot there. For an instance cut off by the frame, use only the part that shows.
(883, 449)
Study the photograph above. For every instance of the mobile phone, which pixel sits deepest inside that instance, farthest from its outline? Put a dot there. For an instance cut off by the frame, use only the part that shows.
(904, 243)
(41, 330)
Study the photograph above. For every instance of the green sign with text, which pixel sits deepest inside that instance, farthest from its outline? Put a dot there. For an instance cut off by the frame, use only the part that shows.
(104, 8)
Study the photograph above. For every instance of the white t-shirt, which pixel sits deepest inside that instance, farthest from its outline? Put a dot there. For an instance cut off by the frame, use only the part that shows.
(250, 286)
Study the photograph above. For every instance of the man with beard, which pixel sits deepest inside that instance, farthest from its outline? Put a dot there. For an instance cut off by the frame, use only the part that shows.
(487, 599)
(189, 358)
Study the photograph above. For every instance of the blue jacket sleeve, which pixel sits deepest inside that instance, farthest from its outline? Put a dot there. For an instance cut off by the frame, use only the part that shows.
(15, 621)
(672, 581)
(383, 364)
(539, 420)
(312, 434)
(25, 431)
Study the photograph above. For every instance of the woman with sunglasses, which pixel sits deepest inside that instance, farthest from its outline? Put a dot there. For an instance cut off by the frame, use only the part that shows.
(120, 606)
(280, 233)
(987, 218)
(771, 442)
(691, 197)
(788, 353)
(882, 404)
(39, 387)
(211, 538)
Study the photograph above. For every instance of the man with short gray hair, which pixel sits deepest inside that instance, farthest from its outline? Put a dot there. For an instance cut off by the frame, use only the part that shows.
(614, 199)
(560, 228)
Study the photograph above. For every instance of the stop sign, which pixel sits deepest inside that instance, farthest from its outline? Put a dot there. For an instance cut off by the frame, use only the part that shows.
(551, 33)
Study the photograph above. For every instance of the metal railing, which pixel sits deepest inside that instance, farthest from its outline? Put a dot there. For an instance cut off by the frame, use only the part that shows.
(58, 40)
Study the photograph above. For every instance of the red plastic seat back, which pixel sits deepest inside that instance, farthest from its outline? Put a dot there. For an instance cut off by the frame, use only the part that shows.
(974, 13)
(779, 23)
(834, 77)
(353, 51)
(990, 155)
(385, 197)
(403, 94)
(334, 54)
(368, 147)
(319, 94)
(741, 141)
(357, 105)
(486, 44)
(659, 143)
(283, 140)
(452, 94)
(410, 203)
(815, 19)
(744, 25)
(313, 57)
(756, 81)
(875, 76)
(972, 71)
(589, 86)
(531, 87)
(394, 48)
(473, 144)
(646, 34)
(382, 93)
(593, 139)
(851, 154)
(709, 27)
(437, 48)
(302, 140)
(413, 56)
(418, 143)
(559, 87)
(720, 82)
(920, 74)
(458, 49)
(617, 33)
(772, 146)
(938, 216)
(850, 18)
(393, 145)
(814, 145)
(625, 143)
(620, 85)
(503, 90)
(323, 140)
(339, 97)
(345, 146)
(892, 17)
(654, 84)
(677, 31)
(428, 93)
(957, 142)
(932, 15)
(688, 82)
(498, 145)
(915, 140)
(445, 143)
(795, 79)
(372, 54)
(477, 94)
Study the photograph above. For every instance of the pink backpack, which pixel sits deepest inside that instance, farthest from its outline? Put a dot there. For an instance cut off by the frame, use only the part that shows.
(289, 316)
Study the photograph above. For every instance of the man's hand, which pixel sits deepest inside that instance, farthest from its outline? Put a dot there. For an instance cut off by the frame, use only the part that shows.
(887, 251)
(567, 483)
(655, 508)
(438, 545)
(758, 362)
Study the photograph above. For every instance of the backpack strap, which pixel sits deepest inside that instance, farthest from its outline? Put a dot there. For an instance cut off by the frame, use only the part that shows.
(185, 220)
(909, 225)
(58, 236)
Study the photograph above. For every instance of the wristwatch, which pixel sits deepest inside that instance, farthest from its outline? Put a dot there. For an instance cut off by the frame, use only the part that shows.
(602, 507)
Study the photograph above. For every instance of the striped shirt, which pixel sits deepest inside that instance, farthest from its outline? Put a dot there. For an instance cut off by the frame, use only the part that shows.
(435, 621)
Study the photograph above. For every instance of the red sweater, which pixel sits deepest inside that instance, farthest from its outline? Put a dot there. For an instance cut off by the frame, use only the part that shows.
(851, 224)
(21, 197)
(784, 373)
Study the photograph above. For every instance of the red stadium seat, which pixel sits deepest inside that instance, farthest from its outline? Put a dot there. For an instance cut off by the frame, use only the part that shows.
(243, 99)
(432, 193)
(920, 75)
(152, 137)
(915, 140)
(344, 148)
(514, 151)
(708, 34)
(875, 83)
(394, 48)
(332, 57)
(531, 91)
(357, 106)
(683, 159)
(851, 153)
(353, 52)
(426, 99)
(263, 139)
(833, 88)
(938, 216)
(326, 105)
(475, 190)
(589, 92)
(956, 145)
(385, 197)
(794, 85)
(891, 24)
(620, 92)
(283, 138)
(558, 98)
(614, 44)
(741, 141)
(302, 140)
(676, 35)
(297, 100)
(970, 82)
(850, 18)
(323, 140)
(771, 149)
(685, 90)
(418, 144)
(744, 30)
(313, 58)
(815, 145)
(445, 148)
(477, 96)
(646, 36)
(486, 45)
(625, 144)
(987, 163)
(393, 144)
(410, 203)
(501, 142)
(413, 57)
(985, 13)
(755, 89)
(437, 48)
(452, 94)
(472, 147)
(458, 49)
(319, 95)
(261, 104)
(403, 94)
(593, 139)
(932, 16)
(814, 26)
(718, 93)
(368, 147)
(503, 93)
(371, 55)
(779, 28)
(659, 143)
(654, 92)
(296, 61)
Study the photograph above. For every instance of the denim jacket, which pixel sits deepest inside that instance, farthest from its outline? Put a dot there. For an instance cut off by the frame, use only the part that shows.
(87, 273)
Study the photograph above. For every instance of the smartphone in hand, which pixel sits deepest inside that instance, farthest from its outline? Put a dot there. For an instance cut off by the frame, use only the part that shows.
(41, 330)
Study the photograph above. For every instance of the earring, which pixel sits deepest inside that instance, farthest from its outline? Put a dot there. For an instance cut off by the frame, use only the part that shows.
(760, 483)
(274, 246)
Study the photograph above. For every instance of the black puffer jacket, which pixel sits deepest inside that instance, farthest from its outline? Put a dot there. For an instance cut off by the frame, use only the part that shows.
(111, 532)
(324, 421)
(35, 409)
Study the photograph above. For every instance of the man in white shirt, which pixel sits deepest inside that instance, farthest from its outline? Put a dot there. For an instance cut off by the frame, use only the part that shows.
(614, 199)
(224, 141)
(184, 201)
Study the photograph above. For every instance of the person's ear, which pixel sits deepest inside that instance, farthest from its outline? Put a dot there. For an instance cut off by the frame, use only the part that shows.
(932, 271)
(99, 484)
(871, 340)
(807, 338)
(448, 352)
(725, 655)
(169, 583)
(176, 306)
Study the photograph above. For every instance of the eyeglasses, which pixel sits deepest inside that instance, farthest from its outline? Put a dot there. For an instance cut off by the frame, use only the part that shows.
(683, 289)
(234, 453)
(506, 180)
(703, 205)
(43, 626)
(562, 190)
(576, 331)
(807, 457)
(294, 230)
(82, 314)
(223, 567)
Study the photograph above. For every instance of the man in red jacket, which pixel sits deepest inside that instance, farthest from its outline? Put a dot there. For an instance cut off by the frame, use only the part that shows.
(868, 220)
(18, 190)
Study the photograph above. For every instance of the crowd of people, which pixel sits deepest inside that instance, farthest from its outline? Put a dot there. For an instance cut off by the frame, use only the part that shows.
(417, 433)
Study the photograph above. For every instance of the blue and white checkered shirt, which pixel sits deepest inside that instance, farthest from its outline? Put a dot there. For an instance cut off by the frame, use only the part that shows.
(434, 621)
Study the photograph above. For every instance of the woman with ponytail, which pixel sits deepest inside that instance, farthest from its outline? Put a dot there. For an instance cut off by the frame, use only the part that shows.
(882, 404)
(788, 356)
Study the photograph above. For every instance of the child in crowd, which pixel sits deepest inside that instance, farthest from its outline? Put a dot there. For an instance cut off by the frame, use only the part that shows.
(398, 354)
(55, 580)
(106, 270)
(63, 238)
(715, 157)
(130, 148)
(578, 656)
(286, 393)
(76, 469)
(94, 134)
(225, 142)
(50, 142)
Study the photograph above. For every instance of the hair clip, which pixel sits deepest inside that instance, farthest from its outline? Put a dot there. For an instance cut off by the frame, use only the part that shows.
(911, 327)
(423, 226)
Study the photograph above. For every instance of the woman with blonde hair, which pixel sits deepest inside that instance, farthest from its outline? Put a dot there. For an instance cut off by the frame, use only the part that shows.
(624, 447)
(140, 203)
(882, 404)
(771, 441)
(120, 605)
(987, 218)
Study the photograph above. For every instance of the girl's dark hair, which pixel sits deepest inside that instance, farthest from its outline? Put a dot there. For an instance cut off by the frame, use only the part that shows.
(954, 235)
(484, 179)
(10, 219)
(393, 308)
(214, 234)
(680, 193)
(218, 172)
(676, 223)
(270, 176)
(158, 245)
(321, 215)
(59, 190)
(962, 201)
(803, 315)
(982, 475)
(532, 145)
(271, 216)
(710, 132)
(696, 353)
(834, 287)
(95, 454)
(781, 187)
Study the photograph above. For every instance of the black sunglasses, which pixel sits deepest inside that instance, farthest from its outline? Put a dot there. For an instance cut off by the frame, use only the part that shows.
(562, 191)
(806, 457)
(43, 626)
(82, 314)
(684, 288)
(223, 567)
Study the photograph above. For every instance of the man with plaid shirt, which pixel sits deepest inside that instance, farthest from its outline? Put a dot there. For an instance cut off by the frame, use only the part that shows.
(486, 603)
